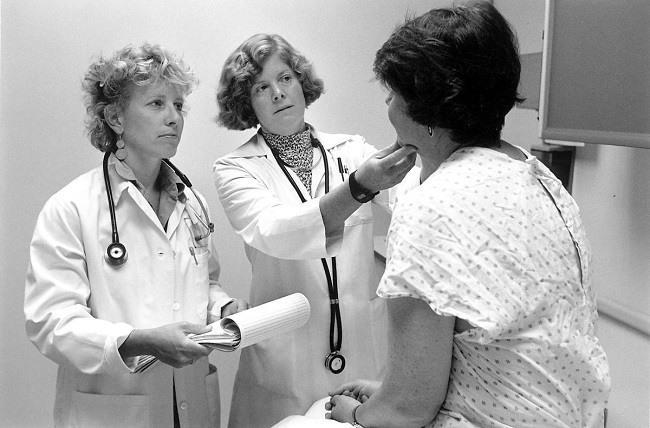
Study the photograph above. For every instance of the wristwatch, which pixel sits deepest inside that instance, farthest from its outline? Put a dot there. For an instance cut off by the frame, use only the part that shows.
(360, 193)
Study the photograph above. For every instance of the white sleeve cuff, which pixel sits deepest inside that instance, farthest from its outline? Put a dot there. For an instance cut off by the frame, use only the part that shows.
(114, 362)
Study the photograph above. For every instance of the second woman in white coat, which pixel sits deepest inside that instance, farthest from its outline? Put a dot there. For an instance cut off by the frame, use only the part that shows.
(297, 198)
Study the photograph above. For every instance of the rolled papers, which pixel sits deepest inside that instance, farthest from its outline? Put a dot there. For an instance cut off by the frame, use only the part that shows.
(269, 319)
(249, 327)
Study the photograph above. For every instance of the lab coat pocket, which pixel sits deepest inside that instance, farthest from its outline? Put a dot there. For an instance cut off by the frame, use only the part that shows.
(202, 253)
(201, 259)
(91, 410)
(214, 396)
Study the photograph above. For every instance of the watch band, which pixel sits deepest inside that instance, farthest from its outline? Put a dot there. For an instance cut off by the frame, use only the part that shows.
(360, 193)
(356, 423)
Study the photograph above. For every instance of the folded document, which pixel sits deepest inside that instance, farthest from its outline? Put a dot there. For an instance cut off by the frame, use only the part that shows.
(249, 327)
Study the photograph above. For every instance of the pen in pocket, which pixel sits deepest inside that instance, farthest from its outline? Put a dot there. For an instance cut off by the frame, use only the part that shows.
(342, 169)
(193, 253)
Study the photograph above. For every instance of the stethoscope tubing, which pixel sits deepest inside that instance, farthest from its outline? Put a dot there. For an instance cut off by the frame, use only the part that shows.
(115, 237)
(330, 276)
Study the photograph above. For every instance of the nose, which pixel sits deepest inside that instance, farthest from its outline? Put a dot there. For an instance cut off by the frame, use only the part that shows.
(172, 116)
(278, 93)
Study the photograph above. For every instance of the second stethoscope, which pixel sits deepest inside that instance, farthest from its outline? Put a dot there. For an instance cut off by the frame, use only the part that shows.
(334, 361)
(116, 254)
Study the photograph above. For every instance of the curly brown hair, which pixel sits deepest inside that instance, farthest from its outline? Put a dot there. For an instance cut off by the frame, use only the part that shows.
(245, 64)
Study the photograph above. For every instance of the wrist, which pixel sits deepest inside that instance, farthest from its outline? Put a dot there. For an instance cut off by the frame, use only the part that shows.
(358, 192)
(138, 342)
(355, 421)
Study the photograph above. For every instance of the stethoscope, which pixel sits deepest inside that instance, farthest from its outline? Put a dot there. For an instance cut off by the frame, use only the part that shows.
(116, 254)
(334, 361)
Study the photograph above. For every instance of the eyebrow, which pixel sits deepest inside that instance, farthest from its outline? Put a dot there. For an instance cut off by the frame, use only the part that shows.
(164, 95)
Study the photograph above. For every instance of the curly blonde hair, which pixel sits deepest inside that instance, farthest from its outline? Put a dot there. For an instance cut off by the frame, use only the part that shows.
(108, 81)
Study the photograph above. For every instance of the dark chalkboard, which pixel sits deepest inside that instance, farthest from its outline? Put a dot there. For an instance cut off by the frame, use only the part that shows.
(596, 72)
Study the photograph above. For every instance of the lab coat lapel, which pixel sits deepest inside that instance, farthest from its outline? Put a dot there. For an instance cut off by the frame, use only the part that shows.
(121, 186)
(254, 147)
(175, 218)
(144, 206)
(329, 142)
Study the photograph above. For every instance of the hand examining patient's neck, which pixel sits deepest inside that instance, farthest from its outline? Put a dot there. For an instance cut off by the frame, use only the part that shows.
(386, 168)
(381, 171)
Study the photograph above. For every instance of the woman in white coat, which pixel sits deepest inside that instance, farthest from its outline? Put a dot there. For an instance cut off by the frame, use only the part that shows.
(297, 197)
(122, 263)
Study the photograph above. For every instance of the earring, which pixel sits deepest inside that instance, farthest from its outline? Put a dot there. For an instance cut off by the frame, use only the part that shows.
(120, 151)
(430, 129)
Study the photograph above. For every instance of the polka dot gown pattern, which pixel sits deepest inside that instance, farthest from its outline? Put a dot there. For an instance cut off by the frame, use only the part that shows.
(500, 244)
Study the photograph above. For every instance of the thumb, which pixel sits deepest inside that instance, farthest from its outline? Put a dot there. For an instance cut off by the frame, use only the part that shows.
(387, 150)
(402, 152)
(197, 328)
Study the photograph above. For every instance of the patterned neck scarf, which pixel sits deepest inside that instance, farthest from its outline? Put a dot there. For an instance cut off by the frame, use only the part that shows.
(295, 151)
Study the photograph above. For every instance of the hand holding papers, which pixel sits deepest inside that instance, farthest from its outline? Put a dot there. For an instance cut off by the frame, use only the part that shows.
(249, 327)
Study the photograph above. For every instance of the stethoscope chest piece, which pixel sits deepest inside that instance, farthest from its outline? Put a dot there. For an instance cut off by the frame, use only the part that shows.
(335, 362)
(116, 254)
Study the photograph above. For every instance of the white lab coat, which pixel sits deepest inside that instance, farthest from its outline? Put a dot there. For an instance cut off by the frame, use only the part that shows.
(79, 309)
(284, 242)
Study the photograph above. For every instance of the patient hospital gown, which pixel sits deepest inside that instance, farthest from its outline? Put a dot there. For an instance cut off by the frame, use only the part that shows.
(499, 243)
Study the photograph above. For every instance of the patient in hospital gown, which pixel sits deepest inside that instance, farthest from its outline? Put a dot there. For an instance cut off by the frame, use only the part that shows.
(481, 242)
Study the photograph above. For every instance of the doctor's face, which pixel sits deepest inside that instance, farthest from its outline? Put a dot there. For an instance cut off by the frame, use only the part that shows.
(277, 98)
(152, 121)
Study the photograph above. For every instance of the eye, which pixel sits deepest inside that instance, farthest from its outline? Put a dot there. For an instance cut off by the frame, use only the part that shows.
(286, 78)
(156, 103)
(179, 106)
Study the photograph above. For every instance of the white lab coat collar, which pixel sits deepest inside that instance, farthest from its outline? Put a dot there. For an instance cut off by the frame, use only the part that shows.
(256, 146)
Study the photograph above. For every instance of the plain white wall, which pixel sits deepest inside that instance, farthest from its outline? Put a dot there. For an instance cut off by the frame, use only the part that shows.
(46, 46)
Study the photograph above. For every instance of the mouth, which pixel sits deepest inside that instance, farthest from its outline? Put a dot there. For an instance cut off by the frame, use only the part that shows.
(168, 136)
(283, 109)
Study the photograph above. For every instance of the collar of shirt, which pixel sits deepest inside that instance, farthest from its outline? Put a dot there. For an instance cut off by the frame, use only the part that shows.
(167, 181)
(171, 187)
